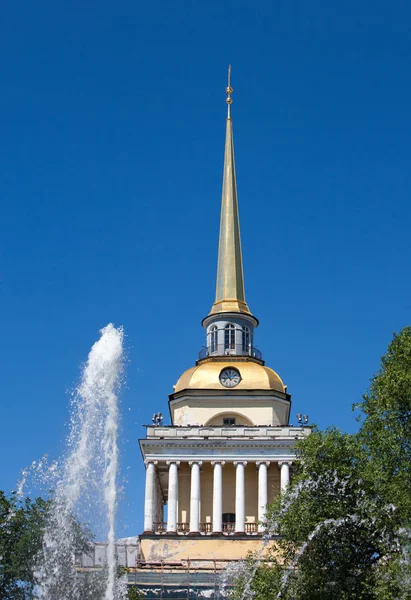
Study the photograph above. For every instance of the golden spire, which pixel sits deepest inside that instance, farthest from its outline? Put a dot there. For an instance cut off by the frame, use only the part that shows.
(230, 296)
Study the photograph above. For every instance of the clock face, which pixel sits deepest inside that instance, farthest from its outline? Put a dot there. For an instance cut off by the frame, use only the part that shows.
(230, 377)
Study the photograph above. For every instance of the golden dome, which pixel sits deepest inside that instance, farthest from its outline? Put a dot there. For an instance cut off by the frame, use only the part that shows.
(206, 376)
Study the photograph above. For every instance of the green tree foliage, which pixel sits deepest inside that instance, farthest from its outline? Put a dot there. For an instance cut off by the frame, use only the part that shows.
(21, 530)
(133, 593)
(344, 524)
(386, 426)
(22, 525)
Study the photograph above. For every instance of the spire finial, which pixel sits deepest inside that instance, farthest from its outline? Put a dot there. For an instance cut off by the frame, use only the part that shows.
(229, 91)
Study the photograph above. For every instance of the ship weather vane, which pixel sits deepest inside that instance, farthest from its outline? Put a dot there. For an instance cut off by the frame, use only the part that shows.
(229, 91)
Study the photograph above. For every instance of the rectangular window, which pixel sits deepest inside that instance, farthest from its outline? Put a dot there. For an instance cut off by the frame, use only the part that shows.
(228, 421)
(229, 337)
(213, 340)
(246, 339)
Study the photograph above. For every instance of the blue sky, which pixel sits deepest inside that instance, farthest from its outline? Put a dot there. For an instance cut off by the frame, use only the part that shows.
(112, 121)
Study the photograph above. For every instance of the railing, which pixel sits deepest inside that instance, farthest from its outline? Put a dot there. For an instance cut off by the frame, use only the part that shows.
(274, 432)
(183, 527)
(96, 555)
(230, 350)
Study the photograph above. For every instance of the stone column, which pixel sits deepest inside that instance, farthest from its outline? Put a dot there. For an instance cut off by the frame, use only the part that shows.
(150, 495)
(262, 467)
(239, 496)
(195, 496)
(284, 473)
(172, 495)
(218, 496)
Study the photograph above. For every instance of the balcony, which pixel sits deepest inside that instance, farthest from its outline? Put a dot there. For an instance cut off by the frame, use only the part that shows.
(233, 350)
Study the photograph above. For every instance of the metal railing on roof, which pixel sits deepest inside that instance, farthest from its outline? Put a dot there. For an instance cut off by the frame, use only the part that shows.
(184, 527)
(229, 350)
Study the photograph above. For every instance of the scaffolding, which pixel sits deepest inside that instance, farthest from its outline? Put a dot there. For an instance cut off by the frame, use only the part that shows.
(186, 579)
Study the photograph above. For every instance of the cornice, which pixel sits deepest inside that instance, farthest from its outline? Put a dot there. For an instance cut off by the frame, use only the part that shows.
(215, 443)
(205, 394)
(186, 450)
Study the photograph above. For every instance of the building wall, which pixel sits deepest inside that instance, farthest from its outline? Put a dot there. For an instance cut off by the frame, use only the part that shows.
(202, 547)
(159, 502)
(206, 509)
(256, 411)
(251, 494)
(273, 482)
(239, 419)
(184, 479)
(229, 488)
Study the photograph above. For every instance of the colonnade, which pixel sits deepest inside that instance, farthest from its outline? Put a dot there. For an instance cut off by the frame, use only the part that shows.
(195, 493)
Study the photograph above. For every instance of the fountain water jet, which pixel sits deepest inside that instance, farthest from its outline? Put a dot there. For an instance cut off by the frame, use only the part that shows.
(86, 481)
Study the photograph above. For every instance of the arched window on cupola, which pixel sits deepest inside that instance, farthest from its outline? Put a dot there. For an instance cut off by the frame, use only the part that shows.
(229, 337)
(213, 339)
(246, 338)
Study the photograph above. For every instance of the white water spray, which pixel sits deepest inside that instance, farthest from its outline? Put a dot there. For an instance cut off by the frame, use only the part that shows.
(86, 483)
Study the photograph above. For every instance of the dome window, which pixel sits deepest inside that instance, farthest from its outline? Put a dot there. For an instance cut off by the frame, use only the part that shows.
(229, 337)
(246, 339)
(213, 339)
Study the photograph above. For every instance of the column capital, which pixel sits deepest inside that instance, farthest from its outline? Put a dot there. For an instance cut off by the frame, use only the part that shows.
(262, 462)
(173, 462)
(285, 462)
(148, 462)
(240, 462)
(218, 462)
(195, 462)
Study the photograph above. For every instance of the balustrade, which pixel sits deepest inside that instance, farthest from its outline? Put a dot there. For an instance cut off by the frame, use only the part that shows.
(160, 527)
(184, 527)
